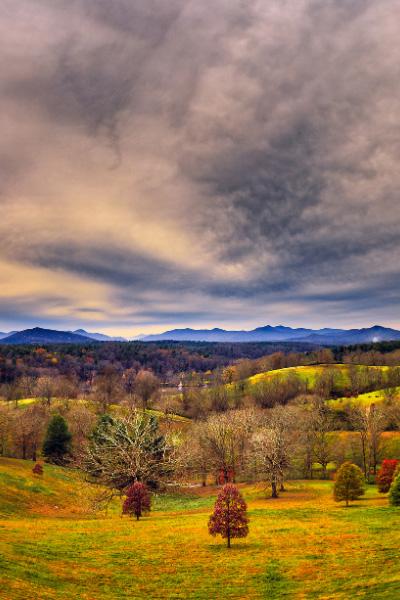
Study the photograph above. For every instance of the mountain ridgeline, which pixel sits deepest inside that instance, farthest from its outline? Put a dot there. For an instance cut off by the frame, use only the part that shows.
(323, 337)
(39, 335)
(320, 337)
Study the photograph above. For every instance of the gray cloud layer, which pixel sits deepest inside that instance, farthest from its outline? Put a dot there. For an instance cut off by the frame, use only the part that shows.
(197, 162)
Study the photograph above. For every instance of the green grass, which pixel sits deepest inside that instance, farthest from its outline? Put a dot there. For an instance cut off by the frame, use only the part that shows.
(363, 399)
(300, 546)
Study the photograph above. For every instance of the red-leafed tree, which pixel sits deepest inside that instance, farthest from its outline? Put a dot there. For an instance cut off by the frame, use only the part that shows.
(230, 515)
(137, 501)
(37, 469)
(386, 475)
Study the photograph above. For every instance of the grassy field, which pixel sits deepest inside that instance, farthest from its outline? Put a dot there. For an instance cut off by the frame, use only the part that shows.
(362, 399)
(310, 372)
(300, 546)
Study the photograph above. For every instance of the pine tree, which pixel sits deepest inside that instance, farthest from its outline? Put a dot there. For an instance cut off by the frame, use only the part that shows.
(57, 441)
(349, 483)
(394, 492)
(230, 515)
(137, 500)
(386, 475)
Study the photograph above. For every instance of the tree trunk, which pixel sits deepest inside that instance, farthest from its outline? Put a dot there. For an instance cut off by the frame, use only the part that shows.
(274, 492)
(226, 475)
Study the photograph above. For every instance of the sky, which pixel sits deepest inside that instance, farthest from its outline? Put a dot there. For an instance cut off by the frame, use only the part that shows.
(199, 163)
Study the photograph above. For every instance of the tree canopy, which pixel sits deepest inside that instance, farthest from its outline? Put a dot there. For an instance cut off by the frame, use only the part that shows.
(229, 518)
(349, 483)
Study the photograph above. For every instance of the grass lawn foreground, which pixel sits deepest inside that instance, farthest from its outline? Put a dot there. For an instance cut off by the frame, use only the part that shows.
(300, 546)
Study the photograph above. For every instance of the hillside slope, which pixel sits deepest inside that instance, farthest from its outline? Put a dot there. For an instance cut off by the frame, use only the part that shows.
(58, 493)
(301, 545)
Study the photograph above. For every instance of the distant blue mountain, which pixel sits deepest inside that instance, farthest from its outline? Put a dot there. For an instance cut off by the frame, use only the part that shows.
(354, 336)
(100, 337)
(4, 335)
(38, 335)
(325, 336)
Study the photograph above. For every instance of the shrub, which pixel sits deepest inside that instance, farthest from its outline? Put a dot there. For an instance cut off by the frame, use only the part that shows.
(230, 515)
(386, 475)
(37, 469)
(394, 492)
(137, 500)
(349, 483)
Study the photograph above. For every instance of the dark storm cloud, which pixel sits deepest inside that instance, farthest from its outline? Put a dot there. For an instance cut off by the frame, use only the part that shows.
(189, 160)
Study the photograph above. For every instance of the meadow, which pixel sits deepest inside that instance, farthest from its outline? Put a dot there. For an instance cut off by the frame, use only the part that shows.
(301, 545)
(309, 373)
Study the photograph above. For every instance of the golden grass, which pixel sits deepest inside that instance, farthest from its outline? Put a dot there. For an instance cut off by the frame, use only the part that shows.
(301, 546)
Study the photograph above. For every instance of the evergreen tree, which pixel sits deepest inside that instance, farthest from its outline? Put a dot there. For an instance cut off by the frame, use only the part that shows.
(137, 500)
(230, 515)
(57, 441)
(394, 492)
(349, 483)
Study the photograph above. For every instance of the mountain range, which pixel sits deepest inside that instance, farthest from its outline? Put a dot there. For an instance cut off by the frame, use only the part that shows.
(323, 337)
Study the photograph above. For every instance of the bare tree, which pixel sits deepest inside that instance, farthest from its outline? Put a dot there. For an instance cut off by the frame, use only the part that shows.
(6, 421)
(80, 421)
(272, 446)
(67, 389)
(108, 389)
(28, 386)
(128, 449)
(325, 382)
(322, 437)
(146, 387)
(200, 461)
(369, 422)
(12, 392)
(45, 389)
(222, 441)
(28, 427)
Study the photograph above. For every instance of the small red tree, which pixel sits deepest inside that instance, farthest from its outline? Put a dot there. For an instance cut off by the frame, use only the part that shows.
(386, 475)
(230, 515)
(137, 500)
(37, 469)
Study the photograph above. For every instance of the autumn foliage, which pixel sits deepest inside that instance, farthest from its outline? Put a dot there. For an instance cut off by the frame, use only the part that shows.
(386, 475)
(37, 469)
(137, 501)
(349, 483)
(230, 515)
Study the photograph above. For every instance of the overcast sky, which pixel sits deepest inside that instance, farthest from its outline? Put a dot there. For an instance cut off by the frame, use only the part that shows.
(199, 163)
